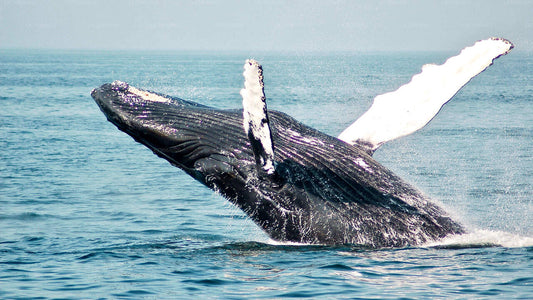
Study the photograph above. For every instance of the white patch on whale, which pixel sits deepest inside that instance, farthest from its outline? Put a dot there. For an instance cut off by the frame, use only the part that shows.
(361, 162)
(255, 119)
(413, 105)
(145, 95)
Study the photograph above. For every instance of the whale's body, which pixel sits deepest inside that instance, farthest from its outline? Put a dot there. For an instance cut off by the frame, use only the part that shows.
(325, 191)
(295, 182)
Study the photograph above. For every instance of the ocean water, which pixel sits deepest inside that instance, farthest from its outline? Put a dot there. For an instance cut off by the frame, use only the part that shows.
(87, 213)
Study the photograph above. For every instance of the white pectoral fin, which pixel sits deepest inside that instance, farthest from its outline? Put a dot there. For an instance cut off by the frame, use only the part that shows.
(414, 104)
(255, 116)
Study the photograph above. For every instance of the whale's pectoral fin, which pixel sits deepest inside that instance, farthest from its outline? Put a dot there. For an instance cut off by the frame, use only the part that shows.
(255, 117)
(413, 105)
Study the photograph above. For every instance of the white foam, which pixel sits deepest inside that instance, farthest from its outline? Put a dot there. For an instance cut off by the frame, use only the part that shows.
(484, 238)
(477, 238)
(287, 243)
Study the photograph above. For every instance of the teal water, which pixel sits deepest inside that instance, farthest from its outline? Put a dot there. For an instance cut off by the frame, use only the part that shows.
(85, 212)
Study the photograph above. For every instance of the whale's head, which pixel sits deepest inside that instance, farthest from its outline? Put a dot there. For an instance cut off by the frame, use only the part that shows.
(208, 144)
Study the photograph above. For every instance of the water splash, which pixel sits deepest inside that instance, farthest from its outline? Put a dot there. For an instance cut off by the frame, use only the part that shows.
(480, 238)
(483, 238)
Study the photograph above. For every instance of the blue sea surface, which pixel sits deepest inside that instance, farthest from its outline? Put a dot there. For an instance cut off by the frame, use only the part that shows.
(87, 213)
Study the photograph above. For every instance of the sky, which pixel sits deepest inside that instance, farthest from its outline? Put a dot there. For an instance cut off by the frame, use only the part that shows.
(274, 25)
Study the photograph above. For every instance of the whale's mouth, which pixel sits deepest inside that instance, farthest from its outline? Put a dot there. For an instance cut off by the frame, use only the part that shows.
(180, 131)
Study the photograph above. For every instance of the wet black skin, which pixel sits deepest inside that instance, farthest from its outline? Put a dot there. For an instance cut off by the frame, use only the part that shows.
(324, 191)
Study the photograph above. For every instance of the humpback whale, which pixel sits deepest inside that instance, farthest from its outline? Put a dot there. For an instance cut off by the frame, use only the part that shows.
(295, 182)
